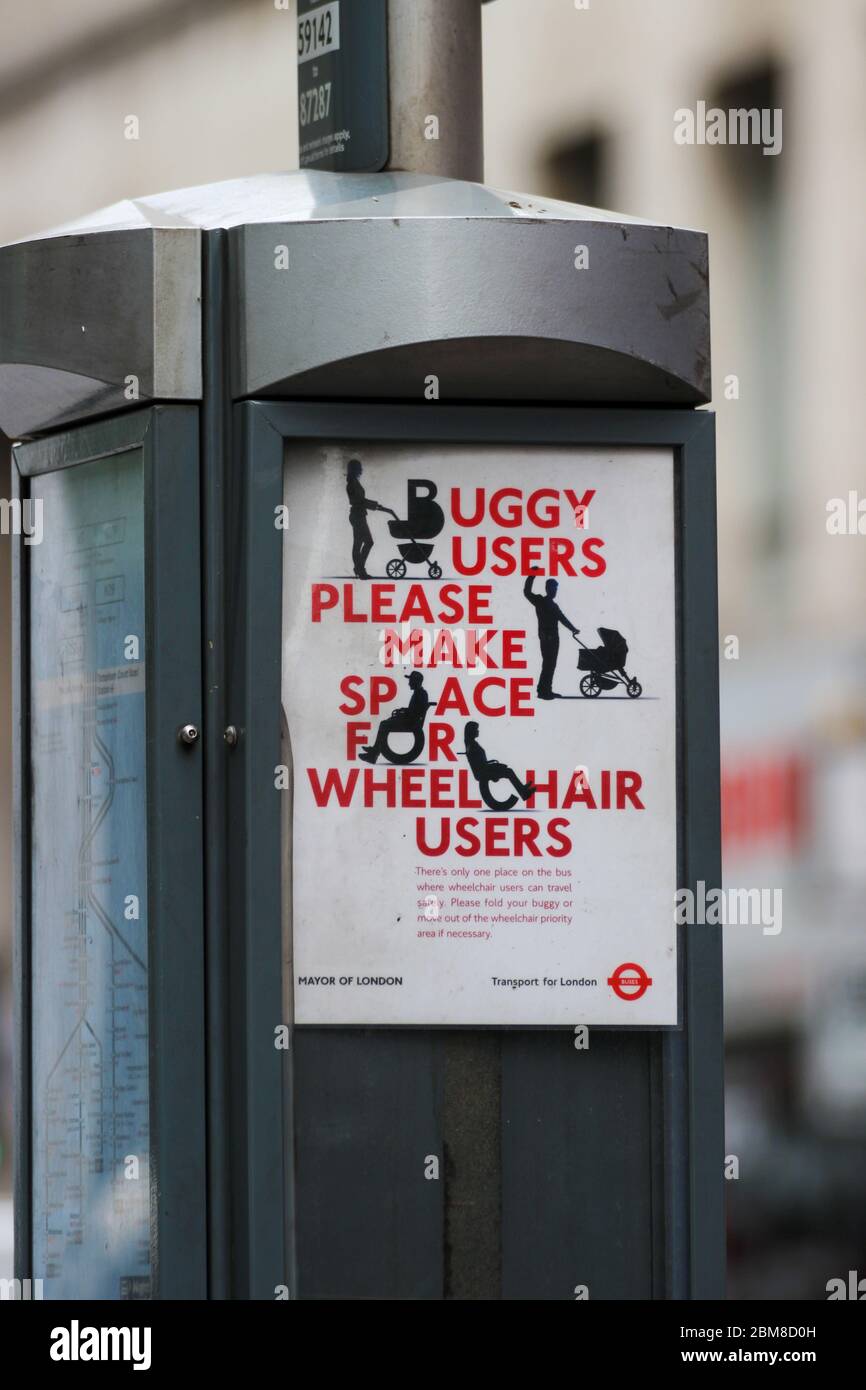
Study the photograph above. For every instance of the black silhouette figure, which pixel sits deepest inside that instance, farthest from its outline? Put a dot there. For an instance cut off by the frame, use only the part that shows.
(549, 615)
(424, 520)
(359, 505)
(486, 771)
(402, 721)
(606, 666)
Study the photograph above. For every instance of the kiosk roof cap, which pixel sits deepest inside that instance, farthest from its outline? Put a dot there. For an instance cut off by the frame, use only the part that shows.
(310, 195)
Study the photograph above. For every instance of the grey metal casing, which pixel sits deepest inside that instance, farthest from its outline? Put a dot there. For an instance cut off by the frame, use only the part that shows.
(354, 285)
(97, 321)
(388, 279)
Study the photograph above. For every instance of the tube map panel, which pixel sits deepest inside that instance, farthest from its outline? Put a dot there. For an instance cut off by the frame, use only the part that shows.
(91, 1140)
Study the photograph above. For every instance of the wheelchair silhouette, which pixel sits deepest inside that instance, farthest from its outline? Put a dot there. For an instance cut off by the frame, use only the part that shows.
(490, 800)
(403, 723)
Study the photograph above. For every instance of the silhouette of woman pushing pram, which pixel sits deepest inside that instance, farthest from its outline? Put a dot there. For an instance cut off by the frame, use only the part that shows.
(487, 770)
(359, 505)
(402, 721)
(424, 521)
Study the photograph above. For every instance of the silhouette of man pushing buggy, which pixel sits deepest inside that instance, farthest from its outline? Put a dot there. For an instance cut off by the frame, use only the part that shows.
(549, 615)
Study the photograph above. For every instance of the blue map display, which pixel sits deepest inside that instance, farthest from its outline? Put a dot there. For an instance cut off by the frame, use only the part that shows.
(91, 1202)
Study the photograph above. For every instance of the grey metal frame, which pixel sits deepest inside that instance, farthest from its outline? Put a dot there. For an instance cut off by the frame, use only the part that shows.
(168, 439)
(646, 1112)
(260, 1210)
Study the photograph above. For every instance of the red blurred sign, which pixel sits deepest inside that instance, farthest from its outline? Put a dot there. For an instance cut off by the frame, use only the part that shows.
(764, 804)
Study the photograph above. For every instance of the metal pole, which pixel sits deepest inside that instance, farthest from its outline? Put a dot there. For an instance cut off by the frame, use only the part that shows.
(434, 62)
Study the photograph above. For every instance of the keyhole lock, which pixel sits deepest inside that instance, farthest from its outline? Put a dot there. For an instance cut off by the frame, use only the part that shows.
(188, 734)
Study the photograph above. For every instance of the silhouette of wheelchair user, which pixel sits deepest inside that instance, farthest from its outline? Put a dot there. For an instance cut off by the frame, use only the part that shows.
(487, 770)
(402, 721)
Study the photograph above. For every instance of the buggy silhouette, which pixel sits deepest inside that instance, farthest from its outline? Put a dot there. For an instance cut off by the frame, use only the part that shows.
(424, 521)
(605, 666)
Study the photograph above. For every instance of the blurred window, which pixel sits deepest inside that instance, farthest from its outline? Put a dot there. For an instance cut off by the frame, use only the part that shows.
(753, 186)
(577, 170)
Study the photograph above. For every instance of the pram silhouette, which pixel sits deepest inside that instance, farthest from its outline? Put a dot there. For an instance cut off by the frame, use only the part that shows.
(424, 520)
(605, 666)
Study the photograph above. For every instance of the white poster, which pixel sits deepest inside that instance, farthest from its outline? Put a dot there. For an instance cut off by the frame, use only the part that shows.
(479, 681)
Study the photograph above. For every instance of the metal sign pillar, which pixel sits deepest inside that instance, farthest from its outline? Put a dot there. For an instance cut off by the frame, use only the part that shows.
(233, 336)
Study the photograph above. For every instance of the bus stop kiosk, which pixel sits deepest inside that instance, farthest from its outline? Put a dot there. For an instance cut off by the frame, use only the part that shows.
(366, 723)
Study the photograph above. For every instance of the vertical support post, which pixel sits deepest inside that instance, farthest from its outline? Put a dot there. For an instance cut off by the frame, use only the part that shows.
(435, 92)
(702, 1038)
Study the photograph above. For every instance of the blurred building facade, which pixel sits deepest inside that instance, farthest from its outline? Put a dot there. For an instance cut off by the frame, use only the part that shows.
(581, 99)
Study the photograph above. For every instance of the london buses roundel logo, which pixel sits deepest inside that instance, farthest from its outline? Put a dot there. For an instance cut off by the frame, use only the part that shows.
(629, 981)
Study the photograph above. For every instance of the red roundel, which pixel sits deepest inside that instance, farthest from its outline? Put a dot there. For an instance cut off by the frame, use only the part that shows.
(629, 981)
